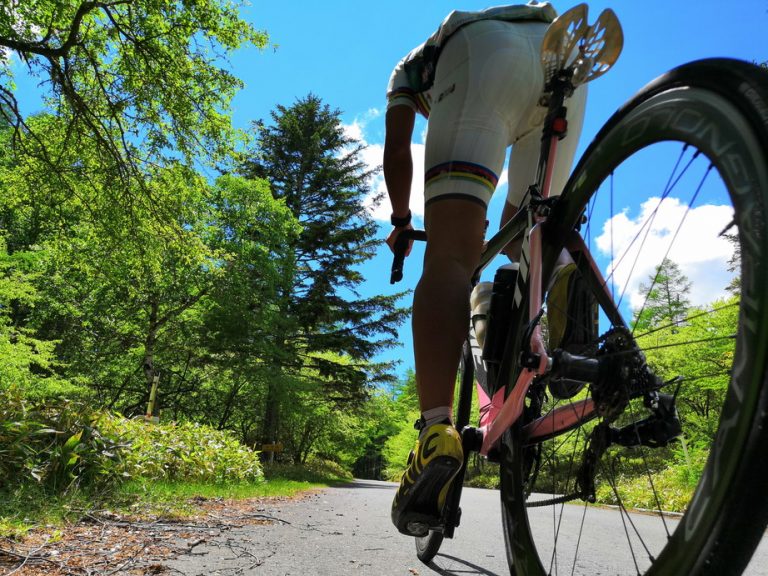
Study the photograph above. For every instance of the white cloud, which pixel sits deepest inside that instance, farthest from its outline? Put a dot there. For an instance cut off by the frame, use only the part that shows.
(354, 130)
(640, 243)
(373, 156)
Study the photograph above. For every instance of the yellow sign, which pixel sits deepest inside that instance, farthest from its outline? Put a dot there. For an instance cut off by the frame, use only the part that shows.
(272, 447)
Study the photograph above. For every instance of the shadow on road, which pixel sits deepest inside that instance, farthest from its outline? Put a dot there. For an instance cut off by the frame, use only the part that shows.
(458, 571)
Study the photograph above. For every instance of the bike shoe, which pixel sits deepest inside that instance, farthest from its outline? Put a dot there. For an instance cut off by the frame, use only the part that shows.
(572, 322)
(432, 466)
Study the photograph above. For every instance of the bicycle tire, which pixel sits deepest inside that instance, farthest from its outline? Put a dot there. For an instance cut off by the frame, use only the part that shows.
(720, 108)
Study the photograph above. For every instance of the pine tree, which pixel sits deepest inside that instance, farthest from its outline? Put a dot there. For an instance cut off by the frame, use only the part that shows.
(666, 298)
(326, 329)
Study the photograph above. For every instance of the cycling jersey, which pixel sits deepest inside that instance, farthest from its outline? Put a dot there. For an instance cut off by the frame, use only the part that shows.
(414, 74)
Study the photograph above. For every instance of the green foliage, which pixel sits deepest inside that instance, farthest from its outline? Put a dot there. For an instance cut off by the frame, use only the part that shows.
(317, 471)
(404, 413)
(59, 446)
(120, 263)
(184, 451)
(700, 353)
(117, 71)
(673, 485)
(182, 286)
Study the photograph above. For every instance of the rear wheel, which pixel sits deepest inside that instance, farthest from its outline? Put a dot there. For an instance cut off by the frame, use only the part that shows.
(683, 325)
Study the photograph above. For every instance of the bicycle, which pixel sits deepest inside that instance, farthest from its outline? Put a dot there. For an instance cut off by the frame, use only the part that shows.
(635, 399)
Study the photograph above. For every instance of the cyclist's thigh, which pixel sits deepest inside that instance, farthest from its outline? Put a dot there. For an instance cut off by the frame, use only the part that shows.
(524, 157)
(487, 76)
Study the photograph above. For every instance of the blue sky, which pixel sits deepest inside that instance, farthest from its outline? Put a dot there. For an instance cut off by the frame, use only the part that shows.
(344, 51)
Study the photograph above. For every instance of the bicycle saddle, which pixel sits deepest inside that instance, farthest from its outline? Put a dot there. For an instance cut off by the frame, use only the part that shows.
(589, 50)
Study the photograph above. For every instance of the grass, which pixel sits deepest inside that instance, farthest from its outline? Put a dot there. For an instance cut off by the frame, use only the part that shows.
(30, 508)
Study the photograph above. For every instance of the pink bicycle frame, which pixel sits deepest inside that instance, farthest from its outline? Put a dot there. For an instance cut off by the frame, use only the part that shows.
(497, 414)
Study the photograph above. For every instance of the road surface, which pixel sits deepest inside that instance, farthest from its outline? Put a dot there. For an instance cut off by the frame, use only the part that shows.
(346, 530)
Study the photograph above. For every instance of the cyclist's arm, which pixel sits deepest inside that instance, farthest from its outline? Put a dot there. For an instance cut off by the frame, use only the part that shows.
(398, 162)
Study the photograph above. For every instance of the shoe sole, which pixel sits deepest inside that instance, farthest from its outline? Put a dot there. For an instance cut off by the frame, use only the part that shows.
(422, 513)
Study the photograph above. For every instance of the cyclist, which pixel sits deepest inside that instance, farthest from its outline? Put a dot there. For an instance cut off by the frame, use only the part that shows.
(478, 80)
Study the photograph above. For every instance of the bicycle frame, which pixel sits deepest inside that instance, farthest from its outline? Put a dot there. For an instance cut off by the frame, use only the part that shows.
(506, 405)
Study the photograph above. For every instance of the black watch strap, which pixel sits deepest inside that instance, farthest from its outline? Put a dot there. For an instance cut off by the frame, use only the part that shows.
(400, 222)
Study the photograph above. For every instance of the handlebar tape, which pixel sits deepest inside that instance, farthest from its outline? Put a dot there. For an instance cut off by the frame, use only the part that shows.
(400, 248)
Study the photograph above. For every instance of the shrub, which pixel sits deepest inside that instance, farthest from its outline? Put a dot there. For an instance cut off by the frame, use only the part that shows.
(184, 451)
(316, 470)
(56, 444)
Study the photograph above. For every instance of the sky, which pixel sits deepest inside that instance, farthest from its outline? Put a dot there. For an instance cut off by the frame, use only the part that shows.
(343, 51)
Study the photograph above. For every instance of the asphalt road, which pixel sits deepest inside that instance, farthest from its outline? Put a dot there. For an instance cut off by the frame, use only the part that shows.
(346, 530)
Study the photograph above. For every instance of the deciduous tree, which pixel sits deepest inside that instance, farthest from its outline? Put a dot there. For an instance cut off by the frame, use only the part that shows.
(121, 71)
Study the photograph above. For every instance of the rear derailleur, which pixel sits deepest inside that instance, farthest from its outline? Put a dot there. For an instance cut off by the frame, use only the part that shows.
(625, 375)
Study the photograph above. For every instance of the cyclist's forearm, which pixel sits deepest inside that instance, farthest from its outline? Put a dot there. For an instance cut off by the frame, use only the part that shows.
(398, 163)
(398, 173)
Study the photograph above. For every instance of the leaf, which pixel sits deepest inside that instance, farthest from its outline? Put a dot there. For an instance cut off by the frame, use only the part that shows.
(72, 441)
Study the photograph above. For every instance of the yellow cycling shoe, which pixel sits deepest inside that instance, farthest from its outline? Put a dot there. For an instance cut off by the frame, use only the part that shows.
(572, 317)
(432, 466)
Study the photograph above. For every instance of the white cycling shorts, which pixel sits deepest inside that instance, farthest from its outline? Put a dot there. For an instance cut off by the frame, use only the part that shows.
(485, 98)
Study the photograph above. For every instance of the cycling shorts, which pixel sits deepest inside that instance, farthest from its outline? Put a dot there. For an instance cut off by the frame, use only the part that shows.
(488, 84)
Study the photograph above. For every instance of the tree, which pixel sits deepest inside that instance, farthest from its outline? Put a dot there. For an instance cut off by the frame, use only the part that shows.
(699, 353)
(182, 286)
(666, 297)
(122, 71)
(318, 172)
(734, 263)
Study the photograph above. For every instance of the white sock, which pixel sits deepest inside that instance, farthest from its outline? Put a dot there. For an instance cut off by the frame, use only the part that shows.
(435, 416)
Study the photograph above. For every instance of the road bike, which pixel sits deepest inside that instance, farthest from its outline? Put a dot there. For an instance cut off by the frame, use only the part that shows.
(656, 397)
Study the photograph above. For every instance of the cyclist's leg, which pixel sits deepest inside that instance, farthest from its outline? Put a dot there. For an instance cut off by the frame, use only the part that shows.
(455, 230)
(488, 78)
(524, 157)
(466, 143)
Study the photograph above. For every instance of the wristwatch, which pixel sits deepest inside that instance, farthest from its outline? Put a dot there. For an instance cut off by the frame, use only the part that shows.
(399, 222)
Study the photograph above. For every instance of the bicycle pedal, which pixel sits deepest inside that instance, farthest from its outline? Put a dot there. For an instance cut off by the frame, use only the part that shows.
(471, 439)
(417, 528)
(494, 455)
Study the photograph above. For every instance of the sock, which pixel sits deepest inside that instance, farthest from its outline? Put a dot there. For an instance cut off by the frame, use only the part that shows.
(436, 416)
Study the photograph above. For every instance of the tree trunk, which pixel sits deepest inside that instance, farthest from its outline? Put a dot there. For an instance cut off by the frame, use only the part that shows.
(271, 416)
(149, 349)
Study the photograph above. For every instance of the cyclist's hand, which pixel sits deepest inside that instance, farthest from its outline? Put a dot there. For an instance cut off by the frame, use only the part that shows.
(393, 237)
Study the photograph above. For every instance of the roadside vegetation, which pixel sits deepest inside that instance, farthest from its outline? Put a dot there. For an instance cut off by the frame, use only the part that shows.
(155, 261)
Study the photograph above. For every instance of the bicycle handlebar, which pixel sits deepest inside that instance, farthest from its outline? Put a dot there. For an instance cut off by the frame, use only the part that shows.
(400, 248)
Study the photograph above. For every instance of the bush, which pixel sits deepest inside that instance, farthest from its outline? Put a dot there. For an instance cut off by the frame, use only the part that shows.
(184, 451)
(316, 470)
(56, 444)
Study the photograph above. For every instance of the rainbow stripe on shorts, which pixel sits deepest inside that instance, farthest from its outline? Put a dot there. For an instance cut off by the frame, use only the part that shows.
(466, 171)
